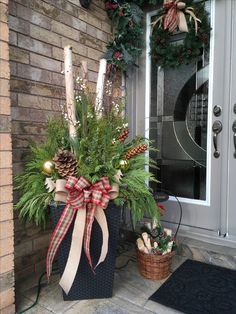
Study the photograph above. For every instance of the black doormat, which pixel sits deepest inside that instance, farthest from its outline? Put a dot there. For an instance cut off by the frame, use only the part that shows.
(199, 288)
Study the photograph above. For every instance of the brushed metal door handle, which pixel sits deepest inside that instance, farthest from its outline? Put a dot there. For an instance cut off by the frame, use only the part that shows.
(216, 128)
(234, 137)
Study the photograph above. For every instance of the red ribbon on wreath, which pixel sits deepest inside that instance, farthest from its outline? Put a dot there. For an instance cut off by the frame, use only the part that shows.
(174, 16)
(84, 203)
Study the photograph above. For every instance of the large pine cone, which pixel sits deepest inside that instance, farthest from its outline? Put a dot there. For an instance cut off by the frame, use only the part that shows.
(65, 163)
(123, 136)
(136, 150)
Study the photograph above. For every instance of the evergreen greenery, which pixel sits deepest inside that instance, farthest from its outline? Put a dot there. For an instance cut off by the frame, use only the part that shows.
(99, 153)
(127, 41)
(34, 201)
(169, 54)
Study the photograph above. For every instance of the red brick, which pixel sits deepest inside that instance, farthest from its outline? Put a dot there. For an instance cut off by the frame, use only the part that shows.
(5, 159)
(5, 105)
(65, 30)
(4, 69)
(37, 102)
(45, 8)
(4, 34)
(6, 212)
(4, 87)
(76, 46)
(33, 17)
(12, 38)
(6, 298)
(19, 55)
(5, 177)
(3, 12)
(94, 21)
(19, 25)
(4, 51)
(6, 229)
(6, 246)
(45, 35)
(5, 141)
(34, 45)
(34, 74)
(6, 263)
(94, 54)
(45, 63)
(106, 27)
(9, 309)
(5, 124)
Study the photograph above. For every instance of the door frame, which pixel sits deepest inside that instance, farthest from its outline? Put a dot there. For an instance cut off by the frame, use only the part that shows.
(139, 114)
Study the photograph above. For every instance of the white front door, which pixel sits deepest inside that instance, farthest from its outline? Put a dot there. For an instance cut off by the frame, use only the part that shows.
(230, 160)
(189, 115)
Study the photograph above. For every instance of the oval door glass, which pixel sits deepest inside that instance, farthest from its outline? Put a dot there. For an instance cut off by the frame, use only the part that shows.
(179, 126)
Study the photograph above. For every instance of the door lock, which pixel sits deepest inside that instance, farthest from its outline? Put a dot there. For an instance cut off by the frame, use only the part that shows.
(217, 111)
(217, 128)
(234, 137)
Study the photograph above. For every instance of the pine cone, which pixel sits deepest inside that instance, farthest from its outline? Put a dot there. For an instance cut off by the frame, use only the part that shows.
(136, 150)
(123, 136)
(65, 163)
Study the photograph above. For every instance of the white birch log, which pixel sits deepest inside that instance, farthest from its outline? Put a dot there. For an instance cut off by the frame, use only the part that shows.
(100, 86)
(84, 68)
(70, 96)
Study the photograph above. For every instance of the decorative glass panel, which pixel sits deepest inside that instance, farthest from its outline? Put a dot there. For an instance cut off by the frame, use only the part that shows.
(178, 126)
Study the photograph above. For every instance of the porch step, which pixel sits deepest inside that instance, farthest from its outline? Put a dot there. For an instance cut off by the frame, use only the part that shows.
(207, 252)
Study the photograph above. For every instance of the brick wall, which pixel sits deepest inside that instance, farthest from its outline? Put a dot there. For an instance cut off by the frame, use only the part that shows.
(6, 213)
(39, 30)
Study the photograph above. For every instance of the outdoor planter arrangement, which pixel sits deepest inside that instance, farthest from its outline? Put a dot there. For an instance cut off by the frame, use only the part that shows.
(86, 169)
(155, 249)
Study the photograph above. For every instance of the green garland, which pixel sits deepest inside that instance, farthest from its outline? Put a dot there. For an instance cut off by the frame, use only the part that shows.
(127, 42)
(126, 45)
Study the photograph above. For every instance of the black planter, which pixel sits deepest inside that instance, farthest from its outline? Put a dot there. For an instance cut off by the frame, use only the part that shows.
(87, 285)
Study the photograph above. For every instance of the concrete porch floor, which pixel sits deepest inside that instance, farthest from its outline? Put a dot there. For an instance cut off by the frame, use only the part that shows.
(130, 294)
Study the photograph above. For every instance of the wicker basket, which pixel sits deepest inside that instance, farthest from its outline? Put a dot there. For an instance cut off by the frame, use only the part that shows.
(154, 267)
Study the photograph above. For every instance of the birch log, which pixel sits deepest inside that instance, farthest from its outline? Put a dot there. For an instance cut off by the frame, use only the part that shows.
(70, 96)
(100, 85)
(84, 68)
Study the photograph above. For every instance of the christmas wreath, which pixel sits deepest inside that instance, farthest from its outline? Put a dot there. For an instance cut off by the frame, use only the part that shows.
(126, 45)
(188, 18)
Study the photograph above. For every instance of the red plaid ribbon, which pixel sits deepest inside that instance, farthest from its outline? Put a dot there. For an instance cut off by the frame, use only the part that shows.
(81, 194)
(171, 18)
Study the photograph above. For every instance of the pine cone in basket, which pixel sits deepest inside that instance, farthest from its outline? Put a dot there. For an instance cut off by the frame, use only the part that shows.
(65, 163)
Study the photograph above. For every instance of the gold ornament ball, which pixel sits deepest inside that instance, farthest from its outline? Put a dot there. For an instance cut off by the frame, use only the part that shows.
(124, 164)
(48, 167)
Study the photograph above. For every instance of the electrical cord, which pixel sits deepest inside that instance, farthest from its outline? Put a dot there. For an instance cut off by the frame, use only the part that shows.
(125, 248)
(39, 287)
(180, 209)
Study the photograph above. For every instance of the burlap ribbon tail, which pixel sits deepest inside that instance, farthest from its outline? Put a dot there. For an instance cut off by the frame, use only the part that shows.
(84, 203)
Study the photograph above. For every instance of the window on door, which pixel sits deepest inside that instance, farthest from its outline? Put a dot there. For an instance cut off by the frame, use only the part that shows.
(178, 125)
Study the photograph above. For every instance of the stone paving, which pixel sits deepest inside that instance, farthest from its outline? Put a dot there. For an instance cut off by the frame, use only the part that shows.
(130, 294)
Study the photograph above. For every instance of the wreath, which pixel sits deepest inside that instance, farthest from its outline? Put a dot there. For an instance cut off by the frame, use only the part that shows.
(195, 28)
(126, 45)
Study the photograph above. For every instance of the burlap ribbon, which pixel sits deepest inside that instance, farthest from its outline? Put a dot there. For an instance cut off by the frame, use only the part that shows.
(174, 16)
(86, 202)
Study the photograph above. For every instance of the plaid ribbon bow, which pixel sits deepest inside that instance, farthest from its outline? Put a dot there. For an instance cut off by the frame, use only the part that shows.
(86, 202)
